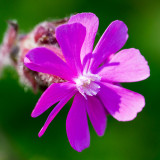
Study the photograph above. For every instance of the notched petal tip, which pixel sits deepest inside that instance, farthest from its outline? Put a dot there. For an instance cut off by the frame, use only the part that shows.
(142, 62)
(140, 104)
(121, 103)
(124, 70)
(131, 118)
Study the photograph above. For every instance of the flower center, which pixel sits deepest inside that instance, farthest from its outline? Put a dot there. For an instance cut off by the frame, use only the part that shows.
(86, 84)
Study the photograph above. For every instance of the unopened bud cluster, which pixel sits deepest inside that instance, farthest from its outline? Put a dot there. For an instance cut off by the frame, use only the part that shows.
(15, 46)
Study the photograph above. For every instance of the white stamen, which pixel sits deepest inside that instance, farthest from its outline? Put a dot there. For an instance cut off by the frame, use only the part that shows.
(86, 84)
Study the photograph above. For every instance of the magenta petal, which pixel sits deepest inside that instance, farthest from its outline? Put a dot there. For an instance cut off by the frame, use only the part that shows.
(97, 114)
(70, 38)
(112, 40)
(127, 65)
(91, 22)
(121, 103)
(46, 61)
(77, 125)
(55, 111)
(52, 95)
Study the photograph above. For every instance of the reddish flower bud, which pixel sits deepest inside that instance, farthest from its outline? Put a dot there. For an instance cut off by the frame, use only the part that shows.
(13, 51)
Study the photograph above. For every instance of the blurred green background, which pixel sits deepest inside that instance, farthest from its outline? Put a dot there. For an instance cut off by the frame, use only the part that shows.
(138, 139)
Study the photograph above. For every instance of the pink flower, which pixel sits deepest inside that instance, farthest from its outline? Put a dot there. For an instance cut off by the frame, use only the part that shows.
(93, 76)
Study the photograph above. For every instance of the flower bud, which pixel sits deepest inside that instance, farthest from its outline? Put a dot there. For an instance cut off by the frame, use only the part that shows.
(15, 46)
